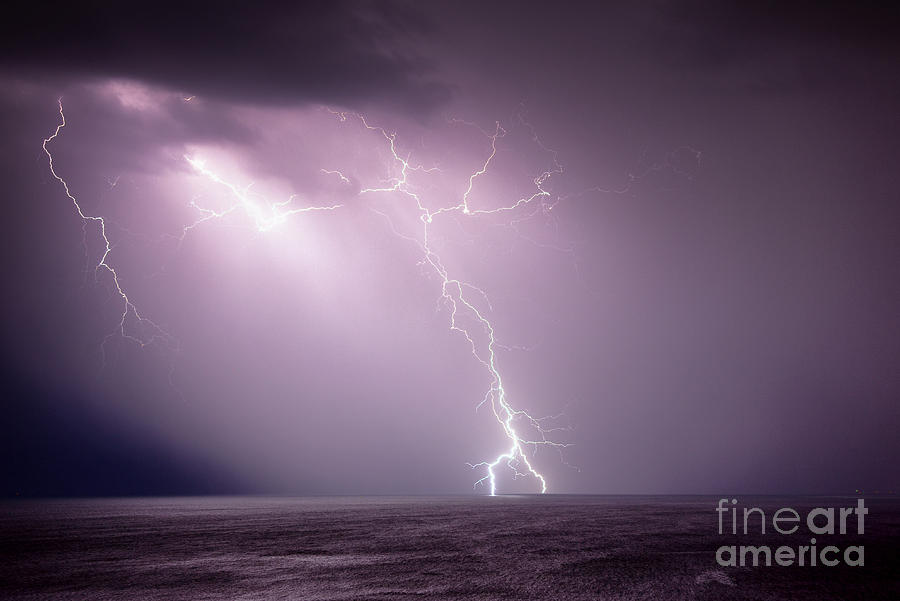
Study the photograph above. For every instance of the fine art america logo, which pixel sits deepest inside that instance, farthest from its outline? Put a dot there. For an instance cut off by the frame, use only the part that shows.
(787, 521)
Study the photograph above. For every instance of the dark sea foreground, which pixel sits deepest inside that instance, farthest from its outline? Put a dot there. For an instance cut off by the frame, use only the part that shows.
(550, 547)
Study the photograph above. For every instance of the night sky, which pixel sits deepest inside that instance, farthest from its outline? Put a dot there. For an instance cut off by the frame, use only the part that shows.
(694, 271)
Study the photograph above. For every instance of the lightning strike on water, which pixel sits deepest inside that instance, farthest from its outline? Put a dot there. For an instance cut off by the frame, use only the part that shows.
(453, 293)
(458, 296)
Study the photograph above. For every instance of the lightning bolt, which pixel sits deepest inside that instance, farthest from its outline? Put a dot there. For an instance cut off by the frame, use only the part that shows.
(462, 299)
(454, 294)
(145, 332)
(264, 217)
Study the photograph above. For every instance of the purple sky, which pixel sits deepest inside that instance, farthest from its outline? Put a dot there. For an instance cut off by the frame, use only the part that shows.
(702, 289)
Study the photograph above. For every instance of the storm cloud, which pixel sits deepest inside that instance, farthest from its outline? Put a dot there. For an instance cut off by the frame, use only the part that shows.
(270, 52)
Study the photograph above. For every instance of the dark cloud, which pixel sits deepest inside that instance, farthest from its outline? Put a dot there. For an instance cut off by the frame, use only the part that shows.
(867, 23)
(777, 46)
(270, 52)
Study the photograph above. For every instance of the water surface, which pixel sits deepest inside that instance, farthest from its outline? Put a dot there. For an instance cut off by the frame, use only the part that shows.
(474, 548)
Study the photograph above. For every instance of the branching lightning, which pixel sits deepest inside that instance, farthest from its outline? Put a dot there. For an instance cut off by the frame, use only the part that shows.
(454, 295)
(465, 302)
(154, 332)
(264, 217)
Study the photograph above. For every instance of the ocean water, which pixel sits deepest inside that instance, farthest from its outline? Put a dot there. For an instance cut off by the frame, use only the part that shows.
(473, 548)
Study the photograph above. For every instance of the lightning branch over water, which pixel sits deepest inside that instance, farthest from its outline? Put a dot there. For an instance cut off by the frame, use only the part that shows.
(468, 305)
(143, 331)
(455, 295)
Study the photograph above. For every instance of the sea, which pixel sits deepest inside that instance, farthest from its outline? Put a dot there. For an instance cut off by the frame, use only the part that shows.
(456, 547)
